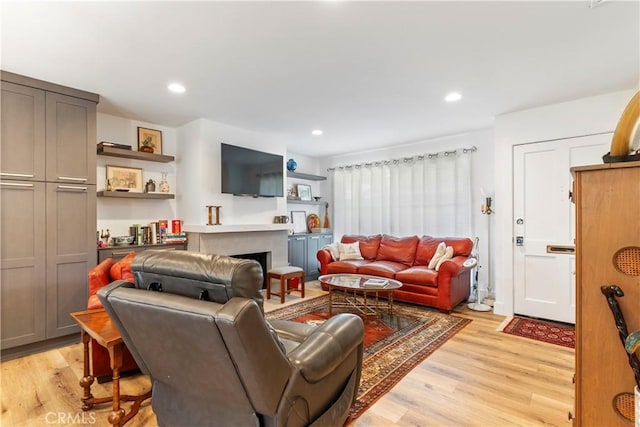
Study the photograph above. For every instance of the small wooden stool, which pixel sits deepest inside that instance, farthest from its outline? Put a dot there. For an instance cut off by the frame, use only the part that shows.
(285, 274)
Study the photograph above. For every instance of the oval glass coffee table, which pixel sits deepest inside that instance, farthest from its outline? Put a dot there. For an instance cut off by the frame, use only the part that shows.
(359, 292)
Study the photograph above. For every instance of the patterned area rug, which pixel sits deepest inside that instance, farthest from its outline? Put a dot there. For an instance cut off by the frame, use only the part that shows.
(394, 344)
(542, 330)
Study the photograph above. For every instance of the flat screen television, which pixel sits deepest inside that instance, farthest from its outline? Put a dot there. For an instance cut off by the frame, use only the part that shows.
(247, 172)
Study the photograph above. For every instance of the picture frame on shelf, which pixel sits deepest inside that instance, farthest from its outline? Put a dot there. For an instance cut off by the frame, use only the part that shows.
(149, 140)
(304, 192)
(124, 179)
(299, 220)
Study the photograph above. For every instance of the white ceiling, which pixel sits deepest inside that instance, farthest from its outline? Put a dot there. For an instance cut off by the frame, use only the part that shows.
(369, 74)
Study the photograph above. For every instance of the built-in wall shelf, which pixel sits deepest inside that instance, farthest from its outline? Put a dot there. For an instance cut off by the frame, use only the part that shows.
(138, 155)
(132, 195)
(306, 176)
(306, 202)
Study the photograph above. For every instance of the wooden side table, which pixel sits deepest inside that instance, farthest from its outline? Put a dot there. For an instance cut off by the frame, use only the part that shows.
(97, 325)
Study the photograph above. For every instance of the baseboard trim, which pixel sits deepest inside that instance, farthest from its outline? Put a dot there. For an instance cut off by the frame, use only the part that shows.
(38, 347)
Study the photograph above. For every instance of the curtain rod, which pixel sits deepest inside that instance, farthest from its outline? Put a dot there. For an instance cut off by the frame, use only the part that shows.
(406, 159)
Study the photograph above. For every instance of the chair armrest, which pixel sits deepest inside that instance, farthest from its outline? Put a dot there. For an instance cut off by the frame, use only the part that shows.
(328, 346)
(99, 276)
(294, 331)
(103, 293)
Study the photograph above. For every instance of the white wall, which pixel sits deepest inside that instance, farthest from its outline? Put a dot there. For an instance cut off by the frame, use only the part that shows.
(198, 151)
(482, 176)
(118, 214)
(581, 117)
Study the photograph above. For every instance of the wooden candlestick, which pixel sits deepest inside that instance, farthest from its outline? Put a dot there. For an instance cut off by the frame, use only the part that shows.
(210, 207)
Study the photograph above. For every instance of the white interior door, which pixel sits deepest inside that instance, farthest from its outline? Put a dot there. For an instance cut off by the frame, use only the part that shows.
(544, 224)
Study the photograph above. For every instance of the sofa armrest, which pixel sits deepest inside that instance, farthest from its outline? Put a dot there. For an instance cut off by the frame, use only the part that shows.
(453, 283)
(325, 258)
(453, 267)
(328, 346)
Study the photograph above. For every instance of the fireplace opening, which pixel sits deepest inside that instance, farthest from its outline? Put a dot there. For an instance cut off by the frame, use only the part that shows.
(261, 257)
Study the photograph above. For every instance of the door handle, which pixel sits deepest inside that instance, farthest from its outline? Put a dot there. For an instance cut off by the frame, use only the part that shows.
(71, 178)
(71, 187)
(16, 184)
(561, 249)
(17, 175)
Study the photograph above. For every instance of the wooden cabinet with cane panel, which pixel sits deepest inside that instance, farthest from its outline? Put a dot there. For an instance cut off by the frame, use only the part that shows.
(607, 198)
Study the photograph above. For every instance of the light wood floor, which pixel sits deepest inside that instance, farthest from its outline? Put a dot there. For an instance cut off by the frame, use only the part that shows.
(480, 377)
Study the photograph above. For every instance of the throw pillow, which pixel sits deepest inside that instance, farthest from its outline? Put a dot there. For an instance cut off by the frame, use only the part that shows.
(436, 257)
(349, 251)
(333, 250)
(121, 270)
(448, 254)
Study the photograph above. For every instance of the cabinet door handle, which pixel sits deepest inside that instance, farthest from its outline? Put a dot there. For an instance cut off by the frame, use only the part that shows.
(15, 184)
(70, 178)
(314, 238)
(71, 187)
(299, 238)
(17, 175)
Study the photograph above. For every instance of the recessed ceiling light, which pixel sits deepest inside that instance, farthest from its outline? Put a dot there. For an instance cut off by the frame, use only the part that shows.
(453, 97)
(316, 132)
(176, 88)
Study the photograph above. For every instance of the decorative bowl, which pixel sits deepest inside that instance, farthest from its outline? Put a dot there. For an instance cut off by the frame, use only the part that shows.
(122, 240)
(317, 199)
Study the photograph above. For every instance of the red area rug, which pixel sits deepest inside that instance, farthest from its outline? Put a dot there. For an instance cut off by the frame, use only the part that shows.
(542, 330)
(394, 344)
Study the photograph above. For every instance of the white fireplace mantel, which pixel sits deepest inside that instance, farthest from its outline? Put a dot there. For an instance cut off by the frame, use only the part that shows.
(241, 239)
(234, 228)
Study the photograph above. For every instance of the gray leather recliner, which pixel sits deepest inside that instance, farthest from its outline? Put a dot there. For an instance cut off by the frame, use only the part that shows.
(215, 360)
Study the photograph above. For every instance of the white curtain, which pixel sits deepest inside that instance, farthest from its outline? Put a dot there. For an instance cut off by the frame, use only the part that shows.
(428, 194)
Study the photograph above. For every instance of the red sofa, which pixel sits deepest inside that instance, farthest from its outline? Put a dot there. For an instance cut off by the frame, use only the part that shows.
(100, 275)
(406, 259)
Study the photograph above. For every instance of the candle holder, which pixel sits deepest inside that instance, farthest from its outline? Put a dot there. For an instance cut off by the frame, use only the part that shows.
(210, 208)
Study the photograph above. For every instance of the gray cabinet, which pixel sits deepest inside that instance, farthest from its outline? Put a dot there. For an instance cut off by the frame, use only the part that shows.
(70, 139)
(23, 133)
(325, 239)
(297, 245)
(119, 252)
(313, 244)
(71, 245)
(47, 185)
(303, 249)
(23, 263)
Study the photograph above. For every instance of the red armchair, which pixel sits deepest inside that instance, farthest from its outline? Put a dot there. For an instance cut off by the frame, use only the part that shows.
(100, 275)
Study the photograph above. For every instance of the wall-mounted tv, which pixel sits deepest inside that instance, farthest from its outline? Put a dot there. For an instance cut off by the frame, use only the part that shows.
(247, 172)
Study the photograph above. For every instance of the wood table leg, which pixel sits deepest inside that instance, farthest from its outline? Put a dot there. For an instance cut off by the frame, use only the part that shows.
(87, 380)
(330, 300)
(115, 356)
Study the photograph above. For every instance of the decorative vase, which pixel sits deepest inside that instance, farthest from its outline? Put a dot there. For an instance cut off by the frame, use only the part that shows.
(150, 187)
(164, 185)
(146, 149)
(327, 223)
(291, 165)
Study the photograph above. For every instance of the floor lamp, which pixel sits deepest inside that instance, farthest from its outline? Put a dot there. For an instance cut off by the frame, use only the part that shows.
(473, 262)
(486, 209)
